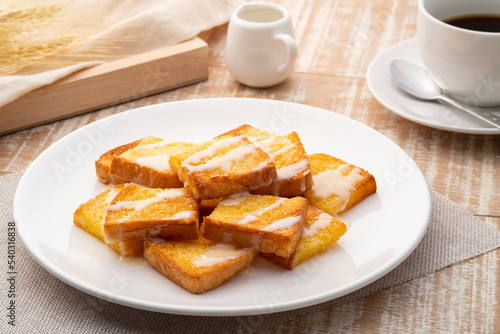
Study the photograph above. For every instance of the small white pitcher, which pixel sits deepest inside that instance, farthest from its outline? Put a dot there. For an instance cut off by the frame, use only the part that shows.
(260, 47)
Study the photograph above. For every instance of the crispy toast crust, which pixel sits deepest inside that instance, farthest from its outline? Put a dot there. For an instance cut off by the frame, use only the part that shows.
(138, 212)
(90, 217)
(147, 163)
(103, 164)
(248, 223)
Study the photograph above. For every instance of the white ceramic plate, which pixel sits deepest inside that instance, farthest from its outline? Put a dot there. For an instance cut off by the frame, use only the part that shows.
(427, 113)
(386, 227)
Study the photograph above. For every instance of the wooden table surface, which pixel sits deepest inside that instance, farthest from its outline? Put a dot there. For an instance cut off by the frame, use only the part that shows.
(337, 41)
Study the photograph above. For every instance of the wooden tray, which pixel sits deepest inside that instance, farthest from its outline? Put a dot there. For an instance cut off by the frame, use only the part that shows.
(108, 84)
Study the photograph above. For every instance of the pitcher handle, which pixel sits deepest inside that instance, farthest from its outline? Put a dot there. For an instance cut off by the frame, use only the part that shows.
(291, 51)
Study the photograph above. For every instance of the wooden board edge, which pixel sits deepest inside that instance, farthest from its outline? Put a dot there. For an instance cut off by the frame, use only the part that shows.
(109, 84)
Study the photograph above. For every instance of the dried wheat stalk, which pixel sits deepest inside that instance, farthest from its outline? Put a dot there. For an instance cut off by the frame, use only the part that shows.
(40, 33)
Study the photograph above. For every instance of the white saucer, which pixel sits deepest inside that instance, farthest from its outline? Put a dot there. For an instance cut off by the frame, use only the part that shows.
(432, 114)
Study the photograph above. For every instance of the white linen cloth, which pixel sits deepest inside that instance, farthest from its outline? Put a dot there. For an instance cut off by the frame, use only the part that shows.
(122, 28)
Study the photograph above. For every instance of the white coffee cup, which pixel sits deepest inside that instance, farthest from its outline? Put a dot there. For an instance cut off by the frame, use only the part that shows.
(260, 47)
(465, 63)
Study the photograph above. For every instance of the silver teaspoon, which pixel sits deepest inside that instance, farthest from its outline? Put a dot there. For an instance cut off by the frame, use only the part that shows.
(416, 81)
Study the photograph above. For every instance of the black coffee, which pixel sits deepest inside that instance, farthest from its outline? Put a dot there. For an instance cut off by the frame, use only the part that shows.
(486, 23)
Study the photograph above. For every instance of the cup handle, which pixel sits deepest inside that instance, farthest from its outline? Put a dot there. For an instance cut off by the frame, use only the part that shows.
(291, 51)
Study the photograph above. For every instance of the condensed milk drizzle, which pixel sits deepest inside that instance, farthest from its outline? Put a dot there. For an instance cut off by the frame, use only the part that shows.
(286, 172)
(266, 145)
(226, 161)
(210, 151)
(283, 224)
(111, 195)
(290, 171)
(109, 198)
(320, 223)
(253, 216)
(141, 204)
(217, 254)
(234, 199)
(157, 162)
(333, 182)
(180, 215)
(155, 145)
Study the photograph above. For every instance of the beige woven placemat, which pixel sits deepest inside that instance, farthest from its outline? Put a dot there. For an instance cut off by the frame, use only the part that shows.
(43, 304)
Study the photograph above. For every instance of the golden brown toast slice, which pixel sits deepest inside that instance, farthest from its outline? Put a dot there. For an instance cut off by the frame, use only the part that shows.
(267, 223)
(338, 185)
(320, 231)
(207, 206)
(197, 265)
(148, 165)
(103, 164)
(289, 156)
(90, 217)
(223, 166)
(139, 212)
